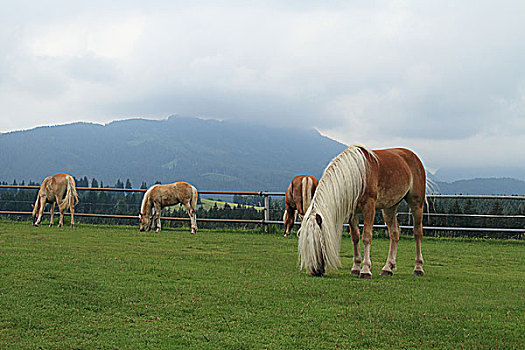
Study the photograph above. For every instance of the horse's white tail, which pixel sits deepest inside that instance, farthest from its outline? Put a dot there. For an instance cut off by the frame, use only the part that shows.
(431, 188)
(71, 193)
(307, 192)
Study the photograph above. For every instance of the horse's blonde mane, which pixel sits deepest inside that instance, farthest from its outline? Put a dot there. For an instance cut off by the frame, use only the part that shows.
(335, 200)
(145, 201)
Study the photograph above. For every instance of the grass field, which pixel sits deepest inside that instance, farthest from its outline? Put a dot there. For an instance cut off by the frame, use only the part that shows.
(209, 203)
(113, 287)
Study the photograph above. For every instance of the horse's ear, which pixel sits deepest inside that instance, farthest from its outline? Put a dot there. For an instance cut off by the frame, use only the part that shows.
(319, 219)
(140, 214)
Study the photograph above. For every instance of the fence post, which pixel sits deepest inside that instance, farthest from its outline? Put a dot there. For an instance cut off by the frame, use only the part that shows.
(266, 210)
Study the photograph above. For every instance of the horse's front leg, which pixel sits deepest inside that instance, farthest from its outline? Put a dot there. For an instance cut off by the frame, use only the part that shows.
(368, 226)
(393, 231)
(52, 212)
(354, 233)
(158, 209)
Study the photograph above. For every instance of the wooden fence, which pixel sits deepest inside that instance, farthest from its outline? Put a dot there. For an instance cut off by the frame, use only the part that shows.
(265, 219)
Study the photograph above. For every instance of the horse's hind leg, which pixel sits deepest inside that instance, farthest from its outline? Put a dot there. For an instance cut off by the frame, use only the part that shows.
(393, 231)
(72, 211)
(417, 214)
(354, 232)
(61, 221)
(42, 205)
(51, 213)
(61, 208)
(193, 217)
(194, 227)
(289, 218)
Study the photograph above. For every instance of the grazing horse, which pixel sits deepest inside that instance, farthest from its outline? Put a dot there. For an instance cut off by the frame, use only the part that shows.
(297, 200)
(160, 196)
(360, 180)
(60, 189)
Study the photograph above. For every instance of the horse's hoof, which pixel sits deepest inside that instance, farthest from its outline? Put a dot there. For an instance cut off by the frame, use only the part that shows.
(367, 276)
(418, 273)
(355, 272)
(50, 225)
(386, 273)
(286, 235)
(35, 225)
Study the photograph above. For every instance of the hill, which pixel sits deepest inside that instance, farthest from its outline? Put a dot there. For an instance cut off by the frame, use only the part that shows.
(483, 186)
(451, 174)
(211, 154)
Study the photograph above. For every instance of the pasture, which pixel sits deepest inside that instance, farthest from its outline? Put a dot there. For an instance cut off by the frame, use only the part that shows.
(114, 287)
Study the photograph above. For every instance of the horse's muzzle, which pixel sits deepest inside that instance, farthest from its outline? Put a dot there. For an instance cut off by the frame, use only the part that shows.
(319, 270)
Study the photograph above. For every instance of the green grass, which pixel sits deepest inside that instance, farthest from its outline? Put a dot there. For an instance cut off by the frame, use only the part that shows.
(113, 287)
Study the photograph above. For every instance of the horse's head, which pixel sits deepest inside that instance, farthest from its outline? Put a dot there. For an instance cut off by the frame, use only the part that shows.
(145, 222)
(310, 243)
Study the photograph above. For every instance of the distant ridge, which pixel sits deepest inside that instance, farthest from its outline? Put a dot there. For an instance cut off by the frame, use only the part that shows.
(214, 155)
(211, 154)
(483, 186)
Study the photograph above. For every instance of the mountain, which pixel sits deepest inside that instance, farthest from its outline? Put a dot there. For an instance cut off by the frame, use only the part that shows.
(211, 154)
(483, 186)
(450, 174)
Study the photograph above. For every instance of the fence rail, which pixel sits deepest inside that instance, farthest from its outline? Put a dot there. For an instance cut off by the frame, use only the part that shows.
(265, 221)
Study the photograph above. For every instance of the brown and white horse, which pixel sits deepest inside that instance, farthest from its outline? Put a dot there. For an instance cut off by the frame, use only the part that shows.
(360, 180)
(297, 200)
(160, 196)
(60, 189)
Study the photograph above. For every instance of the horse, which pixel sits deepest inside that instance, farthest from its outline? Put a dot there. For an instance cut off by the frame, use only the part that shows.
(60, 189)
(160, 196)
(360, 180)
(298, 197)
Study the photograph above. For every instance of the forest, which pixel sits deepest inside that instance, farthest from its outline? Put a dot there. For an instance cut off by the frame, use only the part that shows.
(441, 212)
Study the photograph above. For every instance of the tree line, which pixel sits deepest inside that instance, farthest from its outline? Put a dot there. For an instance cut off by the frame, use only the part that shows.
(498, 213)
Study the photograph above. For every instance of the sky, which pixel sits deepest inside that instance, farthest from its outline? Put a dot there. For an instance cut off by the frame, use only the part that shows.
(443, 78)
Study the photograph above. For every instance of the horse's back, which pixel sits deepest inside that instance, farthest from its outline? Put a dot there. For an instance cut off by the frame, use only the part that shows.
(173, 193)
(417, 170)
(400, 174)
(297, 189)
(402, 159)
(60, 183)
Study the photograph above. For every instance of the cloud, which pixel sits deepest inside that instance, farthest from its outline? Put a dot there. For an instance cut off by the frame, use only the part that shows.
(427, 75)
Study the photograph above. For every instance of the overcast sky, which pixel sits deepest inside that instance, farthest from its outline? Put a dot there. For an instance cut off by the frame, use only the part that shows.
(444, 78)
